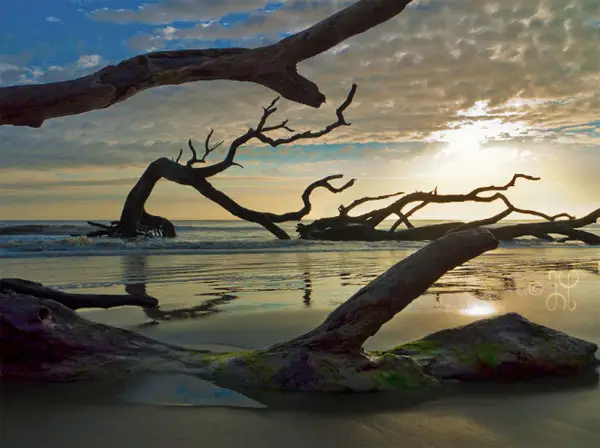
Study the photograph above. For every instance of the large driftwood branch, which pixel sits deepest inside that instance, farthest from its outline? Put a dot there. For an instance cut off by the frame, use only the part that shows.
(363, 227)
(273, 66)
(562, 227)
(375, 218)
(71, 300)
(260, 133)
(41, 339)
(361, 316)
(133, 210)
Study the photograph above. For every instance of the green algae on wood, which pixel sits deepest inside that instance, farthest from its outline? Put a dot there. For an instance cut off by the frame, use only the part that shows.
(44, 340)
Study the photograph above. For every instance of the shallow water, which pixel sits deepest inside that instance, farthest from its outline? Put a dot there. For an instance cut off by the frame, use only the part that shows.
(248, 299)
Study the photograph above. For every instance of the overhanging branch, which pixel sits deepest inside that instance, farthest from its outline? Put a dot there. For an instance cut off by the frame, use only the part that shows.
(273, 66)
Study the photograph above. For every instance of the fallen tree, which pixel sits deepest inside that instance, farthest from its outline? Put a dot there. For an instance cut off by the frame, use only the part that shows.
(273, 66)
(364, 227)
(135, 221)
(42, 339)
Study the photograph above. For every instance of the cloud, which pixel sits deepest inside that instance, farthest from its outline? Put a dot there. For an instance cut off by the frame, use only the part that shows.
(470, 74)
(89, 60)
(169, 11)
(14, 71)
(534, 62)
(53, 19)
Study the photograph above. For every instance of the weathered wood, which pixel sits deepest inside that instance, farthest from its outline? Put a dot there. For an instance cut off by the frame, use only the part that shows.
(133, 212)
(579, 235)
(41, 339)
(563, 227)
(363, 227)
(361, 316)
(273, 66)
(72, 300)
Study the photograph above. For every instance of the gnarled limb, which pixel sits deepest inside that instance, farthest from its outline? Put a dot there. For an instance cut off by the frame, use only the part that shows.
(375, 218)
(345, 209)
(273, 66)
(580, 235)
(134, 214)
(363, 227)
(41, 339)
(362, 315)
(564, 227)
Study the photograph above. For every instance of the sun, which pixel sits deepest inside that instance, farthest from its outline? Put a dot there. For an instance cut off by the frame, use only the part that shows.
(478, 148)
(479, 309)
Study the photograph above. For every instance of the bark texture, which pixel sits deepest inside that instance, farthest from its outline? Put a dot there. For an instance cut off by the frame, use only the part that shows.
(42, 339)
(273, 66)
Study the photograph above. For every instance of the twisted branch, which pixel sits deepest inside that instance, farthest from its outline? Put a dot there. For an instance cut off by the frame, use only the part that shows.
(207, 150)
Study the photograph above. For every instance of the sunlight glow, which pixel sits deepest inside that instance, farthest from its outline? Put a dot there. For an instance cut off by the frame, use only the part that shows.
(467, 147)
(479, 309)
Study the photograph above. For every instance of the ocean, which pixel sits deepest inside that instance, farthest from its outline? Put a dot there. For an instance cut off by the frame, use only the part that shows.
(54, 238)
(230, 286)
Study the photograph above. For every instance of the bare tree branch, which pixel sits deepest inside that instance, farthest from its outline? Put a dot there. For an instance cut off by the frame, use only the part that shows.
(273, 66)
(403, 218)
(133, 212)
(71, 300)
(364, 227)
(376, 217)
(207, 150)
(345, 209)
(362, 315)
(261, 128)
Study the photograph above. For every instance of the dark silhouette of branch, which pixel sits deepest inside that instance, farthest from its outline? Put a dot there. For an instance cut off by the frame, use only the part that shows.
(363, 227)
(345, 209)
(207, 150)
(196, 177)
(362, 315)
(72, 300)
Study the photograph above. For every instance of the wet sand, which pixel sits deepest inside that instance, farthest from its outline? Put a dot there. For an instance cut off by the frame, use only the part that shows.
(160, 411)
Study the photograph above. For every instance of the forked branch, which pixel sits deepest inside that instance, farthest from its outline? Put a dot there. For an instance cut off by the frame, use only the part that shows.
(207, 150)
(260, 134)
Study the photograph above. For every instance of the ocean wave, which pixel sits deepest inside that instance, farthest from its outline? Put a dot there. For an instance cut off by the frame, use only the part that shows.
(43, 229)
(84, 228)
(84, 246)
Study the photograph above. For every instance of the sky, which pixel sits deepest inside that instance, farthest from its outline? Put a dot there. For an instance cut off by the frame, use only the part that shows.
(451, 93)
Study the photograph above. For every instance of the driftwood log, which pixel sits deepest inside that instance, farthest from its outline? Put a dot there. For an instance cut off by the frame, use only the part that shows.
(41, 339)
(72, 300)
(345, 227)
(135, 221)
(273, 66)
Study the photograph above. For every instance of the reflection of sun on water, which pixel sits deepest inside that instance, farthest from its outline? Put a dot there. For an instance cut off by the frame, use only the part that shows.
(479, 309)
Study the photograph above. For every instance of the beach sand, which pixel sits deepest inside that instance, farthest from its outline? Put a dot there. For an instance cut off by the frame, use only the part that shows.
(280, 295)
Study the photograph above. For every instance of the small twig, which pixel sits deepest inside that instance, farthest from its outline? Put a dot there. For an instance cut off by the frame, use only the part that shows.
(343, 210)
(207, 150)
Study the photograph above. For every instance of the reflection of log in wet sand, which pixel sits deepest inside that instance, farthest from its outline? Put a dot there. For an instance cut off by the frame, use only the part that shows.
(483, 279)
(519, 416)
(553, 413)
